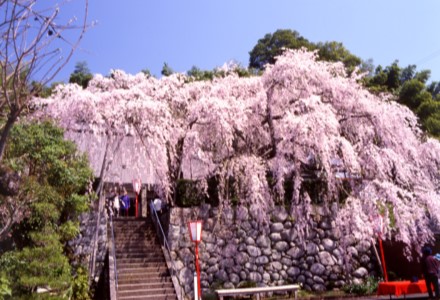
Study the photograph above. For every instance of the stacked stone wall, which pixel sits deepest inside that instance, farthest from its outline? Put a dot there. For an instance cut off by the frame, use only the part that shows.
(237, 250)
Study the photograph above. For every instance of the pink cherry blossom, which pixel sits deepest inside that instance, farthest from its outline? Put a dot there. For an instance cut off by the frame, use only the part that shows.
(301, 120)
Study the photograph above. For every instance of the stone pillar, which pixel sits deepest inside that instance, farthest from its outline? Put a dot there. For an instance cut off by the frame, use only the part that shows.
(144, 205)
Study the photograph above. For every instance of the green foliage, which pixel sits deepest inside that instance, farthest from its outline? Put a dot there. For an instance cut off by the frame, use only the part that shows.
(334, 51)
(43, 91)
(43, 264)
(5, 289)
(272, 45)
(188, 193)
(200, 75)
(434, 89)
(196, 74)
(81, 75)
(369, 287)
(410, 89)
(55, 178)
(166, 70)
(412, 94)
(432, 125)
(146, 72)
(80, 287)
(428, 108)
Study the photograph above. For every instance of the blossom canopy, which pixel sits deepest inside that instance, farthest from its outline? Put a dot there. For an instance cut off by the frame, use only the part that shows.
(303, 122)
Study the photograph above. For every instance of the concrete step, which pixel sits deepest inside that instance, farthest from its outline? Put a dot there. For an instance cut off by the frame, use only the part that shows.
(133, 245)
(154, 266)
(149, 296)
(142, 274)
(142, 254)
(150, 251)
(140, 260)
(141, 266)
(145, 285)
(135, 240)
(135, 236)
(144, 270)
(138, 292)
(159, 264)
(139, 280)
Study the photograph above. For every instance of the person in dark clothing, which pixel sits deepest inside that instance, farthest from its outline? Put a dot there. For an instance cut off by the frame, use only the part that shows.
(125, 202)
(430, 268)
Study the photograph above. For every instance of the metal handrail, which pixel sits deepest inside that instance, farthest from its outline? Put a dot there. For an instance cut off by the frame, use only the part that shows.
(114, 250)
(158, 225)
(92, 261)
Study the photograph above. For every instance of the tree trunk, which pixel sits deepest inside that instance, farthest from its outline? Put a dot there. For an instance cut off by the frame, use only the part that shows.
(12, 117)
(269, 115)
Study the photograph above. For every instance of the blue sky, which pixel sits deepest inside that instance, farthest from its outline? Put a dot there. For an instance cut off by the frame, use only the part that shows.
(136, 34)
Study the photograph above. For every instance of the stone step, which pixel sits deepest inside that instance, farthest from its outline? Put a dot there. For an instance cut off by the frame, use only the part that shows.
(141, 266)
(142, 273)
(137, 254)
(120, 265)
(147, 251)
(135, 235)
(136, 278)
(142, 270)
(145, 285)
(149, 296)
(138, 249)
(122, 246)
(138, 244)
(134, 239)
(140, 260)
(137, 292)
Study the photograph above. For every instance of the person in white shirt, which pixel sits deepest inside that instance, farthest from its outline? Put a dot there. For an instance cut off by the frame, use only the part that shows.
(157, 205)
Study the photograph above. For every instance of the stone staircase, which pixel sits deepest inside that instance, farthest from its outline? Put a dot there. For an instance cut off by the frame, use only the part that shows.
(141, 266)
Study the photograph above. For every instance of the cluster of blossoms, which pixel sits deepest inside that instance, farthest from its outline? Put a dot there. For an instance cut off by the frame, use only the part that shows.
(302, 121)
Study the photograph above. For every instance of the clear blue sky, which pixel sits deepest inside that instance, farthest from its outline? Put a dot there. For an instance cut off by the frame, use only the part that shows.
(136, 34)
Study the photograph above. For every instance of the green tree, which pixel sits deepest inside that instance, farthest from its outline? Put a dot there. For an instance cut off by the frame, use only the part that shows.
(434, 89)
(272, 45)
(81, 75)
(413, 94)
(166, 70)
(334, 51)
(146, 72)
(199, 74)
(55, 178)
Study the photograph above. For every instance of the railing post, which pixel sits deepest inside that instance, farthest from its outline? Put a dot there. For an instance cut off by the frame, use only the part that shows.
(161, 233)
(196, 288)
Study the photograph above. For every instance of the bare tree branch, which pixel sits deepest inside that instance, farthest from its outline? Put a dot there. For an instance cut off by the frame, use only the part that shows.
(31, 44)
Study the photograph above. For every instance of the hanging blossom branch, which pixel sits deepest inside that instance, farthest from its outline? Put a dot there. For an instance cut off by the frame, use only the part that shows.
(248, 128)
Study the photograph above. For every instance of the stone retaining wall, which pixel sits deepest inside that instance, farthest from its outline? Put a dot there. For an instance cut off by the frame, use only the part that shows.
(85, 243)
(236, 250)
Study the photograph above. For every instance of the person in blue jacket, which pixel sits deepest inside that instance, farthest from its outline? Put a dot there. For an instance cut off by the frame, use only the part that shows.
(125, 201)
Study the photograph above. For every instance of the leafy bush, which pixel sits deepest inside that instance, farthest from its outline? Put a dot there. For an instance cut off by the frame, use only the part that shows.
(80, 285)
(188, 193)
(52, 193)
(5, 289)
(368, 287)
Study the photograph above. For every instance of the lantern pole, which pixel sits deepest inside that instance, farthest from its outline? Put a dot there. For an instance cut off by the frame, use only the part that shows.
(198, 271)
(195, 232)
